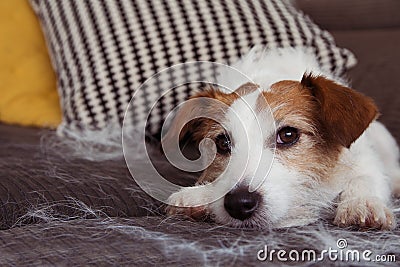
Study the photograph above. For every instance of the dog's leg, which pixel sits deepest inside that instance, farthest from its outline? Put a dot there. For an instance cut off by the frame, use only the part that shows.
(394, 173)
(366, 195)
(385, 145)
(396, 185)
(195, 201)
(189, 201)
(364, 204)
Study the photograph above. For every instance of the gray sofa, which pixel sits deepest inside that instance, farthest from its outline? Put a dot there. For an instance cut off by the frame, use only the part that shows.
(60, 210)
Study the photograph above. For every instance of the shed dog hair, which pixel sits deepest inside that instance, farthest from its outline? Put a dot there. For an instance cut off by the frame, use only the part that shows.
(294, 144)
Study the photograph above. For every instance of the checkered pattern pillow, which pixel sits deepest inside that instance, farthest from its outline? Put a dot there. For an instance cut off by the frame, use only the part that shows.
(103, 50)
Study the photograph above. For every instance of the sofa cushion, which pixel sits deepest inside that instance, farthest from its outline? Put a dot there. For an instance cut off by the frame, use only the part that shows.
(104, 50)
(27, 81)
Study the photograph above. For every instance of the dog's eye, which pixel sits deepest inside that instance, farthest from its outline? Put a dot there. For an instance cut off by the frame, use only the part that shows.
(287, 136)
(223, 144)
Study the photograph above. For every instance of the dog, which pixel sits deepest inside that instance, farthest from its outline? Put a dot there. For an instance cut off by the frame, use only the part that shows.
(292, 146)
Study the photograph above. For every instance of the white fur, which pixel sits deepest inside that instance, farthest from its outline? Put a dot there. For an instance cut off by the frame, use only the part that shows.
(266, 67)
(363, 177)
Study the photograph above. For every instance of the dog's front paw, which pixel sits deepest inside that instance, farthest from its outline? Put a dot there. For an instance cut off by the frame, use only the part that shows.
(365, 213)
(184, 203)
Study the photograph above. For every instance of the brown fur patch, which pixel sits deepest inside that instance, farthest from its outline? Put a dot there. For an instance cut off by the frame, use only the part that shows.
(246, 89)
(293, 106)
(329, 116)
(289, 103)
(207, 128)
(211, 129)
(343, 112)
(204, 127)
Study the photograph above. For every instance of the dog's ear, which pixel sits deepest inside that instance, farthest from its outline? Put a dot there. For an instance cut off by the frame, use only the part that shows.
(344, 113)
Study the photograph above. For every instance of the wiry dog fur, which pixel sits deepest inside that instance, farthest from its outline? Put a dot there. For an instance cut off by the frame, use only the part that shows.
(342, 154)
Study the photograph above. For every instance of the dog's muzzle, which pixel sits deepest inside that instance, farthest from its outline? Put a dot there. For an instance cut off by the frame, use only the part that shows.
(240, 203)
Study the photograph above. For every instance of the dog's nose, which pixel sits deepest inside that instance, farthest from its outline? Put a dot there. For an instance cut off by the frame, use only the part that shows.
(240, 203)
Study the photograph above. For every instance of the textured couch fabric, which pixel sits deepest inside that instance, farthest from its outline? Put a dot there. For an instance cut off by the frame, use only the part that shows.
(58, 210)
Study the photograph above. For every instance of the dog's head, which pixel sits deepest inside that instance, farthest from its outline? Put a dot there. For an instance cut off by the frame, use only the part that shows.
(286, 140)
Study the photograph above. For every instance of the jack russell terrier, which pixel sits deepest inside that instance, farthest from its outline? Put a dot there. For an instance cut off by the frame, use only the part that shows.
(308, 142)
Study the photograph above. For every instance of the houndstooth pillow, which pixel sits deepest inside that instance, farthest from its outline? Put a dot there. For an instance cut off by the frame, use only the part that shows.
(103, 50)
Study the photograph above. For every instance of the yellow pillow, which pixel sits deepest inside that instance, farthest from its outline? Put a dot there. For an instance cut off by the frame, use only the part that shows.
(28, 94)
